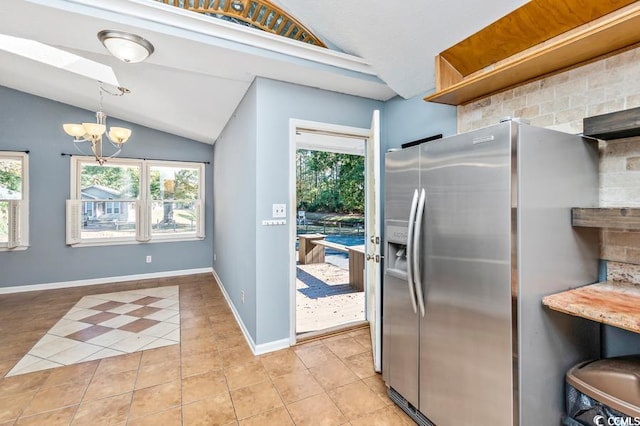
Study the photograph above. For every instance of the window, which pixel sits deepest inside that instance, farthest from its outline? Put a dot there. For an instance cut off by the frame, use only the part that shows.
(113, 208)
(174, 193)
(134, 200)
(14, 197)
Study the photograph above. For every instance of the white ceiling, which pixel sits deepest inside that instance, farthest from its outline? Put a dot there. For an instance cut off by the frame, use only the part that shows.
(399, 38)
(202, 66)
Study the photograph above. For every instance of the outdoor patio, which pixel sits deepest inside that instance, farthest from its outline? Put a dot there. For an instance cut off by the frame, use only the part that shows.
(324, 297)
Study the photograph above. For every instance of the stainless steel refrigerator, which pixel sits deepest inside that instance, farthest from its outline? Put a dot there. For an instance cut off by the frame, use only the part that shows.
(477, 231)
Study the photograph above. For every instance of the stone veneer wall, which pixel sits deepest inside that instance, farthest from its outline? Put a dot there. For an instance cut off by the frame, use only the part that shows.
(561, 102)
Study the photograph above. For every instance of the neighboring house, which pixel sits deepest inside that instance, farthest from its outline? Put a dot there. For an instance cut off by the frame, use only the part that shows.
(97, 205)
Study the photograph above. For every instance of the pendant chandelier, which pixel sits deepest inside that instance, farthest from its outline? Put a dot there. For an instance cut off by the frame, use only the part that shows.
(91, 133)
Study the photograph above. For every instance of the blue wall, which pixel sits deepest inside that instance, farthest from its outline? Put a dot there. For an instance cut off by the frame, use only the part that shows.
(253, 153)
(279, 102)
(252, 159)
(32, 123)
(407, 120)
(235, 209)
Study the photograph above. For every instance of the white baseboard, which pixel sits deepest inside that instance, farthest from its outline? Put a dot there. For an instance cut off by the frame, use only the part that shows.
(262, 348)
(276, 345)
(106, 280)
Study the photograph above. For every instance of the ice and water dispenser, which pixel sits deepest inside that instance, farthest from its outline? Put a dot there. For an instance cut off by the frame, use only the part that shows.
(396, 253)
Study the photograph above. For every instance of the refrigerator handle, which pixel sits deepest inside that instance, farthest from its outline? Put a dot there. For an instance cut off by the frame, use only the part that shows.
(412, 218)
(415, 262)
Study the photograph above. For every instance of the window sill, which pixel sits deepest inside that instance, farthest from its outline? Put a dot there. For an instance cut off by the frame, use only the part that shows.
(96, 243)
(19, 248)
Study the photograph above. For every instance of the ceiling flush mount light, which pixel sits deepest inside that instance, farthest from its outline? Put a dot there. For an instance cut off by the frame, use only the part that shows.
(127, 47)
(91, 133)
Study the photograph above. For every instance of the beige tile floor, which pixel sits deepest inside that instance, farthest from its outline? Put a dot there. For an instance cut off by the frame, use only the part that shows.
(105, 325)
(209, 378)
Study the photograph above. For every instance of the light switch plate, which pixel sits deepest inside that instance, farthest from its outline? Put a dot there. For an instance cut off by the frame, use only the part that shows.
(279, 210)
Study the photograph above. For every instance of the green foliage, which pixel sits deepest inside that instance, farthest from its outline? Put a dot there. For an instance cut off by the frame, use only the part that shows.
(11, 175)
(183, 186)
(186, 184)
(125, 180)
(154, 184)
(328, 181)
(169, 183)
(11, 179)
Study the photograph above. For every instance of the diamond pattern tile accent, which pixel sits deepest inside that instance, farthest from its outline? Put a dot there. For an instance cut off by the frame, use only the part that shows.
(139, 326)
(108, 305)
(105, 325)
(98, 318)
(88, 333)
(147, 300)
(143, 312)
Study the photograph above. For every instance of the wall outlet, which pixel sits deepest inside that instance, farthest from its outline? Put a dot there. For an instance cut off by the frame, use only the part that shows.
(279, 210)
(148, 259)
(215, 256)
(242, 296)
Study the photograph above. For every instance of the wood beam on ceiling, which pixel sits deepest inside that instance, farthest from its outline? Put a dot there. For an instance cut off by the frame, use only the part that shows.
(259, 13)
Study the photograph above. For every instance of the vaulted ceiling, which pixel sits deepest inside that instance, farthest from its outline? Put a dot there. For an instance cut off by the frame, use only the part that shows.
(202, 66)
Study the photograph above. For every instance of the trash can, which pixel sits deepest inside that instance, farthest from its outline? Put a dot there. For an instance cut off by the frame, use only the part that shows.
(604, 392)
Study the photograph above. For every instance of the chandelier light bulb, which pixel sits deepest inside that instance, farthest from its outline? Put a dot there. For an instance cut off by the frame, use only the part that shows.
(75, 130)
(119, 135)
(94, 129)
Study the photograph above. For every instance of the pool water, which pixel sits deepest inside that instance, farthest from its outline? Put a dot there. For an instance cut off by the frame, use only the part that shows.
(347, 240)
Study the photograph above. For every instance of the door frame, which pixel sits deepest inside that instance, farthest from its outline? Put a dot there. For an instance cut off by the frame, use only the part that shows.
(316, 126)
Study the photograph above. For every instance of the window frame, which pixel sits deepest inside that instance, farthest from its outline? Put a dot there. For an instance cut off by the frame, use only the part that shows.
(201, 191)
(144, 233)
(76, 194)
(23, 202)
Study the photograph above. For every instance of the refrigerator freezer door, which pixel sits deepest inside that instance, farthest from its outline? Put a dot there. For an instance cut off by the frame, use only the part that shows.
(401, 180)
(466, 335)
(400, 322)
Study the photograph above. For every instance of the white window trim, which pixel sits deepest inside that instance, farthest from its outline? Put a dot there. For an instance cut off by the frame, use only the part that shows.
(144, 233)
(198, 233)
(23, 204)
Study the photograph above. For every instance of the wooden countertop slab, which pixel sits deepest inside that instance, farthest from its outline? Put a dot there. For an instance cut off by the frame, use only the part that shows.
(612, 303)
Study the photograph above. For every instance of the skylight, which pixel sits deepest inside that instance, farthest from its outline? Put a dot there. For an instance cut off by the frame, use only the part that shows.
(58, 58)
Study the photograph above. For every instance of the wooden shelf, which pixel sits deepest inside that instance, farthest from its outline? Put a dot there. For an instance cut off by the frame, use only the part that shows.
(612, 303)
(614, 218)
(604, 34)
(615, 125)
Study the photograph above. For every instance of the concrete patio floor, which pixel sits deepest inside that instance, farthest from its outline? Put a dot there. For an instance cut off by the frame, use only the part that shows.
(324, 298)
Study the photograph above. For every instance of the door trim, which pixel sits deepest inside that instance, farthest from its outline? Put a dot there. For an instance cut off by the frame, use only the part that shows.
(294, 125)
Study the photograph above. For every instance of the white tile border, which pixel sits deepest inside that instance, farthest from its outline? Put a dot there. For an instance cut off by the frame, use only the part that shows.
(262, 348)
(106, 280)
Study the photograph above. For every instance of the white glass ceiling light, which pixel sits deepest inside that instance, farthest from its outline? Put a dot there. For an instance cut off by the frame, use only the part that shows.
(127, 47)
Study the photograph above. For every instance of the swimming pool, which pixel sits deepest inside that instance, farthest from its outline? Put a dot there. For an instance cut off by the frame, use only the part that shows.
(347, 240)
